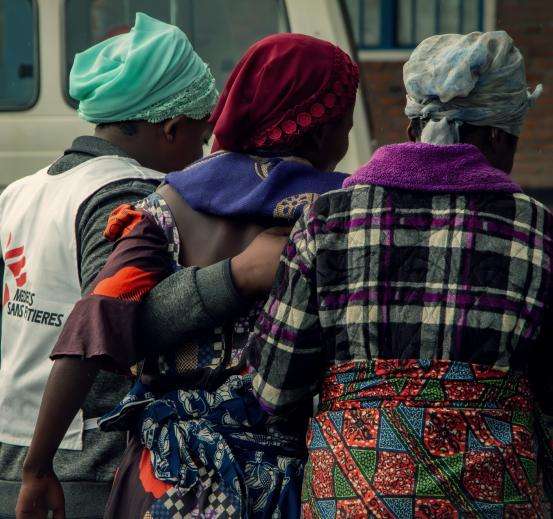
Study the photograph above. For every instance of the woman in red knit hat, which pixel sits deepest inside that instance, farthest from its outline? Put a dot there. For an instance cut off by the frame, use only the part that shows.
(200, 443)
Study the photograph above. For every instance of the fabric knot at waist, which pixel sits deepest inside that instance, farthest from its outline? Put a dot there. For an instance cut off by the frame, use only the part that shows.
(423, 383)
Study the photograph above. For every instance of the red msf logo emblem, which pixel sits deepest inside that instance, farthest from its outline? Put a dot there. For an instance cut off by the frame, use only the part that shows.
(15, 261)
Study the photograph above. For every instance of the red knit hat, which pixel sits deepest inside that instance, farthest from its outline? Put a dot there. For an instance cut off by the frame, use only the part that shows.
(285, 86)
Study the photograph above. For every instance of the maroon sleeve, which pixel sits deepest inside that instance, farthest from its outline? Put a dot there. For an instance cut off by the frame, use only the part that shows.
(103, 324)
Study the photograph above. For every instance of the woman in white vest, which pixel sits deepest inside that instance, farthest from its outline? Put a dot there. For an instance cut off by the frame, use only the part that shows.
(149, 94)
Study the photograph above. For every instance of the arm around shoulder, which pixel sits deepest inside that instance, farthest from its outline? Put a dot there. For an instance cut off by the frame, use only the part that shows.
(189, 300)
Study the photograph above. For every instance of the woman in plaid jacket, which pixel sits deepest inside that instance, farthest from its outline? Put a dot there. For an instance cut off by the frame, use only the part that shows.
(416, 301)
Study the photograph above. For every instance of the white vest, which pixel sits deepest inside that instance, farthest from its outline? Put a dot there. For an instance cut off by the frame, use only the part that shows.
(41, 282)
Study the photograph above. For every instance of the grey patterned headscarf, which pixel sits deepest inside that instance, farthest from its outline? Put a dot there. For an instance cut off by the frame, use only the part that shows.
(477, 78)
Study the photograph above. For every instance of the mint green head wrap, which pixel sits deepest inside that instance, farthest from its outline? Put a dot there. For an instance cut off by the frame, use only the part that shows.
(151, 73)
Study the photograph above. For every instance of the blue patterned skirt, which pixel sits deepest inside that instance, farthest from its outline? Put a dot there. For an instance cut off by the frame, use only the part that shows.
(207, 454)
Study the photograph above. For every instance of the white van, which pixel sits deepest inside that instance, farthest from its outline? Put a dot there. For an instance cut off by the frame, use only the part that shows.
(39, 38)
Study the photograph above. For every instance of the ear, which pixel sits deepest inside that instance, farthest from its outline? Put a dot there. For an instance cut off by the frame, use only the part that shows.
(169, 127)
(495, 137)
(498, 140)
(318, 138)
(411, 132)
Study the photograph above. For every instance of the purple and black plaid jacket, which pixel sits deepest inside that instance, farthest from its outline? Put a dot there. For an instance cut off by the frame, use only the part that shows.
(380, 272)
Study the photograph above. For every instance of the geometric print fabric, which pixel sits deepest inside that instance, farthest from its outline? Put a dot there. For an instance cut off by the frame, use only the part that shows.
(444, 452)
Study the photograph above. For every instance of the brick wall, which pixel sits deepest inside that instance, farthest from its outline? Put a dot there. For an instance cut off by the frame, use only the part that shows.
(530, 24)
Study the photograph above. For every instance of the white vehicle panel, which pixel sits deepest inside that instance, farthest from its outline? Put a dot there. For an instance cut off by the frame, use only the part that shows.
(30, 139)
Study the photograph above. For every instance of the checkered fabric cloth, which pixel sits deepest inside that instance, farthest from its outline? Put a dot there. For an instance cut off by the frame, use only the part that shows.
(373, 272)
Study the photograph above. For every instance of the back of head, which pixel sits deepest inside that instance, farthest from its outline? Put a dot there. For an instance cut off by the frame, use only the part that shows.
(150, 74)
(284, 88)
(148, 92)
(476, 79)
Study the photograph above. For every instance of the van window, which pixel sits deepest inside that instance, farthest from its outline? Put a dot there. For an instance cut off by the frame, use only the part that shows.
(19, 81)
(220, 30)
(403, 24)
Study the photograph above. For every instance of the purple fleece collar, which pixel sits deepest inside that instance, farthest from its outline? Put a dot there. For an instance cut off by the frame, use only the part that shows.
(427, 167)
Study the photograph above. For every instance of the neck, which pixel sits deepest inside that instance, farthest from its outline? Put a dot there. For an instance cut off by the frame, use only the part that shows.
(314, 160)
(135, 146)
(312, 157)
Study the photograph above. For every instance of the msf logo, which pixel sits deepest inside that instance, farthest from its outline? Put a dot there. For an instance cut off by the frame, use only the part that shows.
(15, 261)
